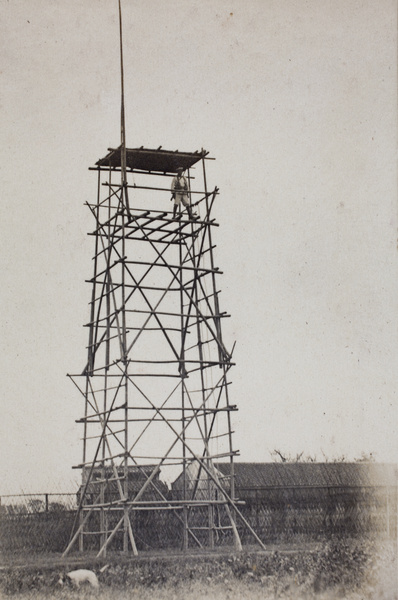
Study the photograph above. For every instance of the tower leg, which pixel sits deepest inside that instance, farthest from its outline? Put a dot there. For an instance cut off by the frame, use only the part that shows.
(185, 529)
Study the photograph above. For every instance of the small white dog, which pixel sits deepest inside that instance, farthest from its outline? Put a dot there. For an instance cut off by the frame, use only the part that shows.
(81, 576)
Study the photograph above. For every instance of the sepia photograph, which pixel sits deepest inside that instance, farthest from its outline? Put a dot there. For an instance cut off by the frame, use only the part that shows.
(199, 300)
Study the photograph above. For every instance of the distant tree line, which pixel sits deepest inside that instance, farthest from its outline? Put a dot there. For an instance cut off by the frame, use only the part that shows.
(286, 457)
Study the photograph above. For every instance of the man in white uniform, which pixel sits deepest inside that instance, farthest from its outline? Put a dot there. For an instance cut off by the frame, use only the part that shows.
(179, 190)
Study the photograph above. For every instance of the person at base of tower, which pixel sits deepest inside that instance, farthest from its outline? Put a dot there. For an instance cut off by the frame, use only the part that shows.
(179, 190)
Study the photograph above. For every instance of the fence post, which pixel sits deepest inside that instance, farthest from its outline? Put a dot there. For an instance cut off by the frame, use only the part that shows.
(257, 501)
(46, 497)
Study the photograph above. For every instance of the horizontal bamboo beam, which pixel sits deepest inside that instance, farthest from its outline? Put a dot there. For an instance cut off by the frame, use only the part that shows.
(94, 421)
(158, 189)
(129, 170)
(211, 527)
(104, 435)
(158, 504)
(95, 373)
(108, 388)
(163, 408)
(186, 361)
(204, 318)
(134, 286)
(113, 508)
(103, 340)
(130, 237)
(199, 413)
(154, 329)
(168, 266)
(137, 171)
(99, 413)
(212, 388)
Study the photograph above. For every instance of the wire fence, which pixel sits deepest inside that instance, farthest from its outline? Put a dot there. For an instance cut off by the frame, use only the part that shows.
(34, 523)
(25, 504)
(316, 511)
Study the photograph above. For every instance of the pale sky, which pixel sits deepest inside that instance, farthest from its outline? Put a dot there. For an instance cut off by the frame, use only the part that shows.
(297, 101)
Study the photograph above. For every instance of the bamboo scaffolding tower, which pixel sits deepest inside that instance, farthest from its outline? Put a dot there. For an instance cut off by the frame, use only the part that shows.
(155, 385)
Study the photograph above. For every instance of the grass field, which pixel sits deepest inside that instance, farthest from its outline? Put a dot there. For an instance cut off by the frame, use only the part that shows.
(338, 569)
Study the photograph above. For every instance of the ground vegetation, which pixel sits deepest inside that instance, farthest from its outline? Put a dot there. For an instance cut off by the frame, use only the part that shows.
(344, 569)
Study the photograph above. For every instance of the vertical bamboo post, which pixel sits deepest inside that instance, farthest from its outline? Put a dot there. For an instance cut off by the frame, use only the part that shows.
(238, 545)
(126, 519)
(185, 540)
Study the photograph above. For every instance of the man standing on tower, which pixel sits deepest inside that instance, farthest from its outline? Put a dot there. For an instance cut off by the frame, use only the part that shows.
(179, 190)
